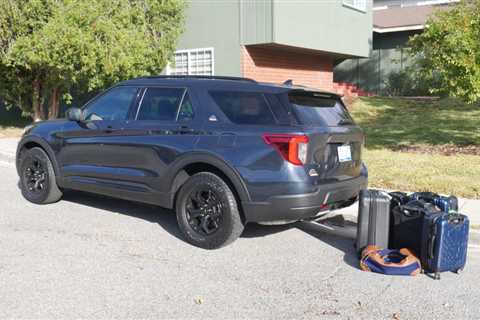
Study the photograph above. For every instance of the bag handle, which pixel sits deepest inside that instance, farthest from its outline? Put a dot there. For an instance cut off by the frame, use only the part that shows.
(432, 238)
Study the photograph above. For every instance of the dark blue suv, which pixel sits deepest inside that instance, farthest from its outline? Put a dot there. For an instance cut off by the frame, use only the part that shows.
(221, 151)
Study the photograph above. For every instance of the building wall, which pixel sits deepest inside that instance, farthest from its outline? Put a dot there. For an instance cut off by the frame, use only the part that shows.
(323, 25)
(256, 21)
(390, 54)
(214, 23)
(274, 64)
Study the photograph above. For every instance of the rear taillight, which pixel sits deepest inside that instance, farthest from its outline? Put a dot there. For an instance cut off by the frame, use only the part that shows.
(292, 148)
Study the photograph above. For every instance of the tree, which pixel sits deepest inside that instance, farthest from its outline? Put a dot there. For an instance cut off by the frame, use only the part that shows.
(448, 51)
(50, 47)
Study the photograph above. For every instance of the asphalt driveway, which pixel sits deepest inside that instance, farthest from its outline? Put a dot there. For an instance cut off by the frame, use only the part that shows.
(93, 257)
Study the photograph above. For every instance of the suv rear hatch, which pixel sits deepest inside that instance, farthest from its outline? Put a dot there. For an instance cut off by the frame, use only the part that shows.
(334, 140)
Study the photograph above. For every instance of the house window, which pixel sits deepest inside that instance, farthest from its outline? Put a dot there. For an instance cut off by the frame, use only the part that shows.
(356, 4)
(193, 62)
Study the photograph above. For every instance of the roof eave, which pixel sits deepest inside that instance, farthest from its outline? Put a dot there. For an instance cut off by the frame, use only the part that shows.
(399, 29)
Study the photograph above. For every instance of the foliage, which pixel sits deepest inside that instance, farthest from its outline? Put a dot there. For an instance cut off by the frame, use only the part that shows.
(50, 47)
(406, 83)
(449, 51)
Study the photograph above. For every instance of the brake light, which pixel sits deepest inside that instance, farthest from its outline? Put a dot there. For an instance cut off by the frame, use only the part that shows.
(292, 148)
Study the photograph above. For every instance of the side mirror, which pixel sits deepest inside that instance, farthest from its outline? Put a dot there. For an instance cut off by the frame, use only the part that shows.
(74, 114)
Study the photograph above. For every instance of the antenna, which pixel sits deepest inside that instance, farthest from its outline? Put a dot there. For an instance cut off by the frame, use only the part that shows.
(289, 82)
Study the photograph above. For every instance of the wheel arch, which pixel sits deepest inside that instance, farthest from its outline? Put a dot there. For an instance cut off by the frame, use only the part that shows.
(195, 163)
(30, 142)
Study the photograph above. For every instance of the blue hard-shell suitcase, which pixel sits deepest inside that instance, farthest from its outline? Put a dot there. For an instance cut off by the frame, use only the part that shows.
(444, 243)
(446, 204)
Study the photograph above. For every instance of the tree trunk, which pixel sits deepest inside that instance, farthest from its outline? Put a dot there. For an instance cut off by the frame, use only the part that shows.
(37, 105)
(54, 104)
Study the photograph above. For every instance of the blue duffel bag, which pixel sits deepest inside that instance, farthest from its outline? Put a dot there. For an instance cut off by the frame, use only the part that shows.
(445, 203)
(391, 262)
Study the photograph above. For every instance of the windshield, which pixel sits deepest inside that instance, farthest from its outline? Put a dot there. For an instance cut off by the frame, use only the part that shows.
(318, 109)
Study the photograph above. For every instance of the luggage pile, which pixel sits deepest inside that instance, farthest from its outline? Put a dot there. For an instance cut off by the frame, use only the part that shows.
(398, 232)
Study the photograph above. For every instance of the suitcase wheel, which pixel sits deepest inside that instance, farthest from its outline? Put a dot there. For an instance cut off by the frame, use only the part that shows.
(458, 271)
(437, 276)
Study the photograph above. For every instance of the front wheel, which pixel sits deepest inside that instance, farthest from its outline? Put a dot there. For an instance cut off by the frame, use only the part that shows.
(37, 178)
(207, 212)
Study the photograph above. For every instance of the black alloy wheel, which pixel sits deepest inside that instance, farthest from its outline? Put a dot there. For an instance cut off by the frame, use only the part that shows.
(204, 210)
(35, 176)
(207, 212)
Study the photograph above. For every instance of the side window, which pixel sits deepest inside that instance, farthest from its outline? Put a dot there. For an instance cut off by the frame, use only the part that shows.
(160, 104)
(186, 112)
(279, 109)
(244, 107)
(113, 105)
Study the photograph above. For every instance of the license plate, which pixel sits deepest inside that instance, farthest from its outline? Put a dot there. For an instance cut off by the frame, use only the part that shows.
(344, 153)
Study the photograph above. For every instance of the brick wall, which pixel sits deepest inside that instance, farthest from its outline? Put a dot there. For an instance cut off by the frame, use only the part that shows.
(276, 65)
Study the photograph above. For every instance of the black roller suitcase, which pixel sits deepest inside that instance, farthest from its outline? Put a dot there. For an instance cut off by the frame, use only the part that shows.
(373, 219)
(406, 226)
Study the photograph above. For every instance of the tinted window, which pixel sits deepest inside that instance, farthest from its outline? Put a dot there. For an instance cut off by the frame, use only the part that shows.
(319, 109)
(160, 104)
(244, 107)
(279, 109)
(186, 112)
(113, 105)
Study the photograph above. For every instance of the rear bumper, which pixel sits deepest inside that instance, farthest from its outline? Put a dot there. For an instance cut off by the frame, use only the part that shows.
(304, 206)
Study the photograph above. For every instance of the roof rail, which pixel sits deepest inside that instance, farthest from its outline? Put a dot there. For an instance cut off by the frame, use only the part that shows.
(197, 77)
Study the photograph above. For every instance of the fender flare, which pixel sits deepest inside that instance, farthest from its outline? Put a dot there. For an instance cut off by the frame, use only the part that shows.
(178, 176)
(44, 145)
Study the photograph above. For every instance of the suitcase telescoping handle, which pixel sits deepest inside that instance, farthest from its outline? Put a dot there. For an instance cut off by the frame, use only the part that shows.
(456, 219)
(410, 211)
(432, 238)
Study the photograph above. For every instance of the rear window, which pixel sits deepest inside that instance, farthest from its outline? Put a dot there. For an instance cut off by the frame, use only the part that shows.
(244, 107)
(319, 109)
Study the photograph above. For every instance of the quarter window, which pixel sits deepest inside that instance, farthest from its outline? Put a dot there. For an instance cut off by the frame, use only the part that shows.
(113, 105)
(244, 107)
(160, 104)
(193, 62)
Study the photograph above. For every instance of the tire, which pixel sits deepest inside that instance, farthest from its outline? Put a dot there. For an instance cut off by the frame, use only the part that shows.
(37, 177)
(207, 212)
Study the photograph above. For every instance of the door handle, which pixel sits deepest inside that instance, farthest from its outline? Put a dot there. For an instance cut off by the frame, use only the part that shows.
(186, 129)
(109, 129)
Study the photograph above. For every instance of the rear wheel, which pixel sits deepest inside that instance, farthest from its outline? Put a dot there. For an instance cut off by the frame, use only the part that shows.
(207, 212)
(37, 178)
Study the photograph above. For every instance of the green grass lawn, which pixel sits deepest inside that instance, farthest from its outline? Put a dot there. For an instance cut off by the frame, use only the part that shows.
(392, 123)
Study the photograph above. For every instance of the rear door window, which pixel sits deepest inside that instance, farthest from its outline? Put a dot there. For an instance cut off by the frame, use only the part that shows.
(244, 107)
(319, 109)
(160, 104)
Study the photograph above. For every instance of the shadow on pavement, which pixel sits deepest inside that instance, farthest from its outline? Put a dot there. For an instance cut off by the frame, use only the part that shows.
(163, 217)
(167, 220)
(342, 243)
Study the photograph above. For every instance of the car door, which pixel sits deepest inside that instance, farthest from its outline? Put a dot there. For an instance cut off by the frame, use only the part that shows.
(165, 126)
(87, 157)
